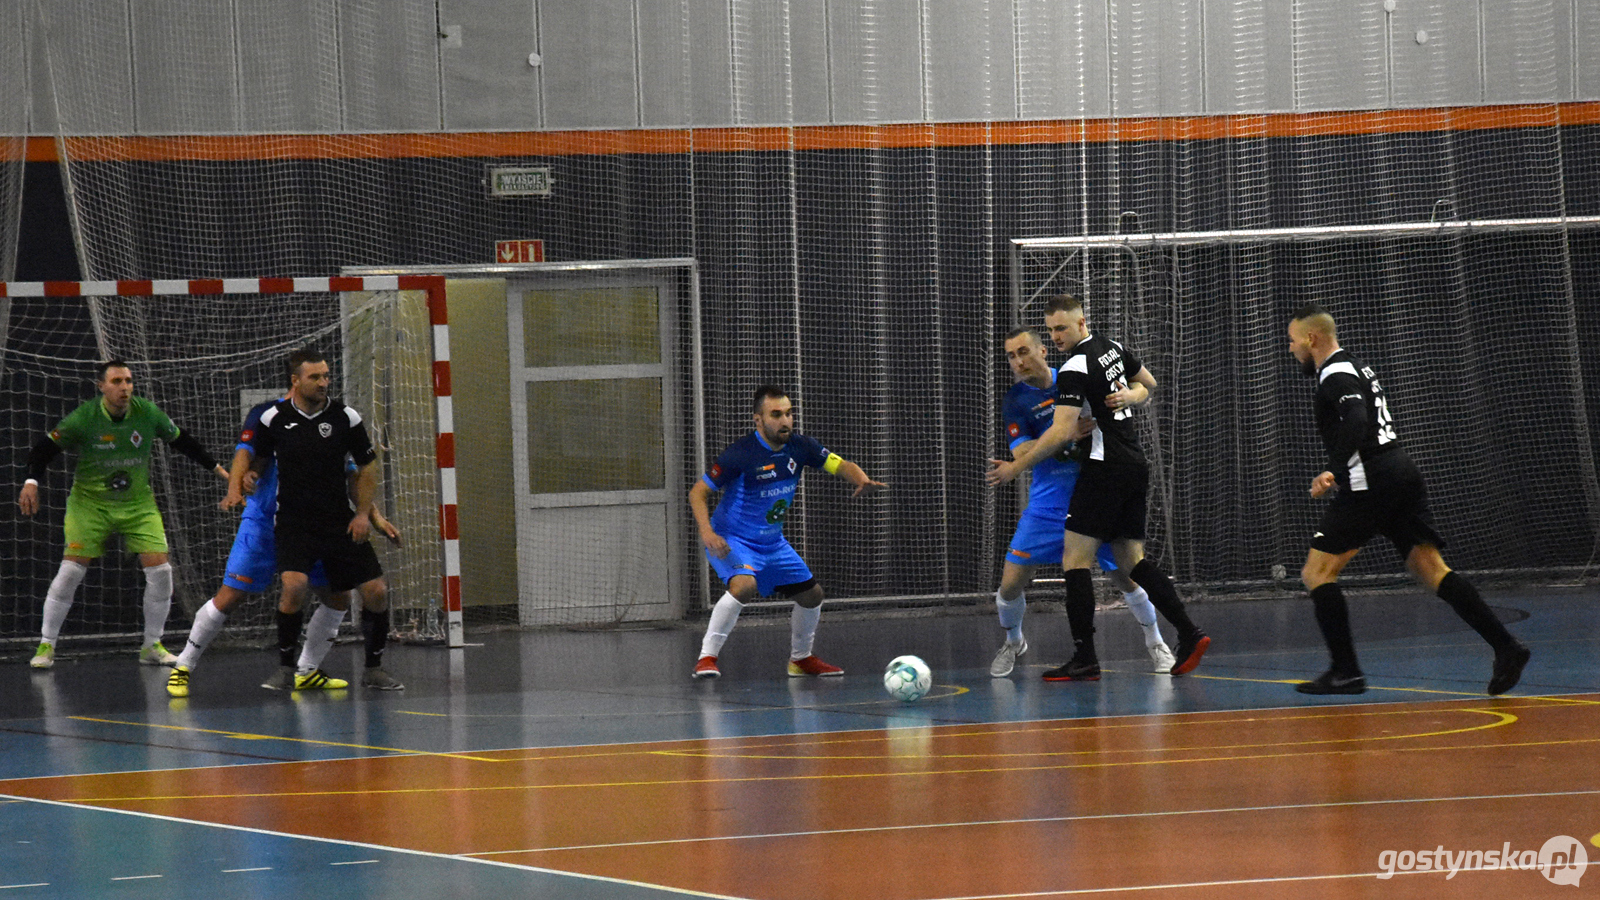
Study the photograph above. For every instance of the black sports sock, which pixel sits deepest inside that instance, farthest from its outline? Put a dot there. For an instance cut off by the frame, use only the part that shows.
(1163, 596)
(375, 634)
(1333, 617)
(1469, 605)
(1080, 614)
(288, 637)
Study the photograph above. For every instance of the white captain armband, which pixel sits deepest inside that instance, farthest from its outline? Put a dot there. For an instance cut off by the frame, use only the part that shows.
(832, 464)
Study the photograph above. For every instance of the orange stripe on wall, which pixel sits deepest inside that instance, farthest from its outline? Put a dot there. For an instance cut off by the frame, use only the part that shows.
(810, 137)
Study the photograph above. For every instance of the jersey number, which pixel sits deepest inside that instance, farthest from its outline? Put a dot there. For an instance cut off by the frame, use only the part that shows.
(1385, 421)
(778, 513)
(1127, 411)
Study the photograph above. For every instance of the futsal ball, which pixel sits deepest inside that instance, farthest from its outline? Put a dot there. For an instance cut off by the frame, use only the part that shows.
(907, 678)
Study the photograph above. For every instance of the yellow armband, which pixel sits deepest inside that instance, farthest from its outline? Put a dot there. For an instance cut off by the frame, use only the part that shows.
(832, 464)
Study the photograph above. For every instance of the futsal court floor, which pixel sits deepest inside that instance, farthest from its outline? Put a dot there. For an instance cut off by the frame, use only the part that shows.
(589, 765)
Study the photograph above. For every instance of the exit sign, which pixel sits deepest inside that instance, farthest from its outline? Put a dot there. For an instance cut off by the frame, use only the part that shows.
(519, 251)
(519, 181)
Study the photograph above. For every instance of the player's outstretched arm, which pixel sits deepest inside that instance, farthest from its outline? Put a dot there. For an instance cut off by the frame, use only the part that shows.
(853, 473)
(186, 444)
(700, 505)
(1063, 430)
(238, 478)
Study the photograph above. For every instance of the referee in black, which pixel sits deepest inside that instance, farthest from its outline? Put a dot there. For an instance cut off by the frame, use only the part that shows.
(1109, 501)
(310, 435)
(1379, 491)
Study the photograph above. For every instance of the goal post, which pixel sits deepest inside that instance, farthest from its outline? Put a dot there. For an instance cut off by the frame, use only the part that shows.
(205, 350)
(1459, 318)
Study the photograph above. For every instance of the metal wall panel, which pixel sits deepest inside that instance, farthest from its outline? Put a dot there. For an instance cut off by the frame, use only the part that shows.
(762, 89)
(289, 66)
(711, 66)
(591, 78)
(1062, 60)
(1527, 51)
(488, 84)
(185, 70)
(971, 65)
(20, 74)
(1435, 55)
(1340, 51)
(664, 42)
(808, 73)
(1155, 56)
(389, 64)
(1586, 49)
(1249, 56)
(876, 52)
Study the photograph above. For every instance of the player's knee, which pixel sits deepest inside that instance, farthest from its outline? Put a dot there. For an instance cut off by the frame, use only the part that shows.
(810, 598)
(375, 595)
(743, 588)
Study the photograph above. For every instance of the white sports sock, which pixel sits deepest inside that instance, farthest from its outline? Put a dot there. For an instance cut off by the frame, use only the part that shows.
(723, 617)
(803, 629)
(59, 598)
(320, 632)
(1011, 614)
(157, 601)
(1144, 612)
(208, 622)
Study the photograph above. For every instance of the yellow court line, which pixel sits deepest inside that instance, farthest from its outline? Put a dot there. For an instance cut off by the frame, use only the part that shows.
(1503, 719)
(244, 736)
(757, 779)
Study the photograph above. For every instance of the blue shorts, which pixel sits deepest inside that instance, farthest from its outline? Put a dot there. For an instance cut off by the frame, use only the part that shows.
(773, 566)
(1039, 538)
(253, 562)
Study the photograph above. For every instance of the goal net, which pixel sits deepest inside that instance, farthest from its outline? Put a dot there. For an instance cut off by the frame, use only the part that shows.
(1472, 326)
(205, 352)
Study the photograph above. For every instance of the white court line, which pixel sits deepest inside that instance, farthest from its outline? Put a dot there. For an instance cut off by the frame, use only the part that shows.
(7, 887)
(256, 869)
(1341, 876)
(1042, 820)
(365, 846)
(135, 877)
(354, 862)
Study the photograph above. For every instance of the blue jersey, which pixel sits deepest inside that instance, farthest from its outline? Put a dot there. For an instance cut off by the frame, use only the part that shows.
(261, 506)
(1028, 412)
(758, 485)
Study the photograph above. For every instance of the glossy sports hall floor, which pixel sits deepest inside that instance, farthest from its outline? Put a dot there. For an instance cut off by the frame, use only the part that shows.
(590, 765)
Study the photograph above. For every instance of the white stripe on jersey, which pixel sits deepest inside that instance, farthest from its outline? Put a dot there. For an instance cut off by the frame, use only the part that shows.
(1076, 363)
(1097, 438)
(1336, 369)
(268, 416)
(1358, 472)
(353, 416)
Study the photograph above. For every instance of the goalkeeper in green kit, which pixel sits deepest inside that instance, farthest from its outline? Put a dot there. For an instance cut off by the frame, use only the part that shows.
(112, 437)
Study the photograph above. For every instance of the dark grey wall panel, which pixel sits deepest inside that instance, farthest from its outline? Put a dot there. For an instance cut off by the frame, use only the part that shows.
(488, 83)
(1435, 54)
(876, 47)
(185, 69)
(1339, 55)
(971, 65)
(289, 79)
(389, 66)
(1062, 62)
(1527, 51)
(590, 66)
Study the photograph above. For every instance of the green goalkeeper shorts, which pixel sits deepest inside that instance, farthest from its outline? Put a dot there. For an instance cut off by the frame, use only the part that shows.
(90, 522)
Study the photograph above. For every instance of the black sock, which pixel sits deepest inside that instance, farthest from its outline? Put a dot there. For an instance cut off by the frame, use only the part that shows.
(1163, 596)
(1333, 617)
(288, 637)
(375, 632)
(1465, 600)
(1080, 614)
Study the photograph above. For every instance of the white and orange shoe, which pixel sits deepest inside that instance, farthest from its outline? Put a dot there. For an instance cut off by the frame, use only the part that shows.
(799, 668)
(706, 667)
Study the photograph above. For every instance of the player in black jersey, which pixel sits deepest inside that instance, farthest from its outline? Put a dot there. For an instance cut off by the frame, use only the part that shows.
(1108, 504)
(1379, 491)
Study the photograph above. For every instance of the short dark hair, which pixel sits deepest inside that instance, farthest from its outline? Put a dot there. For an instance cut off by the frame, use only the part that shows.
(1063, 303)
(1309, 310)
(765, 392)
(1021, 330)
(302, 356)
(108, 365)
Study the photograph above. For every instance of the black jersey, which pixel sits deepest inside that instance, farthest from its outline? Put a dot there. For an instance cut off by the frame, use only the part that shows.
(310, 453)
(1353, 419)
(1097, 368)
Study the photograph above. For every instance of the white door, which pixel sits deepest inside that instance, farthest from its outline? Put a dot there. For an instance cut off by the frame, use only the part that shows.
(597, 434)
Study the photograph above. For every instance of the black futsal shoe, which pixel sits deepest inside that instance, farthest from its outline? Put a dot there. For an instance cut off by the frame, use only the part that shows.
(1189, 651)
(1079, 668)
(1508, 665)
(1330, 683)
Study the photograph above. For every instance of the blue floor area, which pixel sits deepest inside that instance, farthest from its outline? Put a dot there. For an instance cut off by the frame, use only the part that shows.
(552, 689)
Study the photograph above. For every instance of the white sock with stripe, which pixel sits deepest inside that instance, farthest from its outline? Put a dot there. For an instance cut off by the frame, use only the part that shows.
(803, 629)
(157, 601)
(208, 622)
(320, 632)
(723, 617)
(59, 598)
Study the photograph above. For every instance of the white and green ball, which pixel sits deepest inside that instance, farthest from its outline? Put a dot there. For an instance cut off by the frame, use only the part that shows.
(907, 678)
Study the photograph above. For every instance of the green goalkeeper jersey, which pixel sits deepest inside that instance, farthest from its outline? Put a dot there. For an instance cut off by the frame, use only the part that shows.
(113, 455)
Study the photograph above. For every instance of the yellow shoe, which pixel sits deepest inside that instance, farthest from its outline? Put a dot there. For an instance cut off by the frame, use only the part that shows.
(156, 655)
(178, 681)
(45, 656)
(318, 680)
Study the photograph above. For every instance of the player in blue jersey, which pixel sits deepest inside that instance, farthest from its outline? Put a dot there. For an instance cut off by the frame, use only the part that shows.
(1028, 411)
(252, 565)
(744, 539)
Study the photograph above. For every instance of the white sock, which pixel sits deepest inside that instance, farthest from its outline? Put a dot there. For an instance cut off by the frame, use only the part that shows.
(723, 617)
(320, 632)
(803, 629)
(59, 598)
(157, 601)
(1144, 612)
(208, 622)
(1011, 615)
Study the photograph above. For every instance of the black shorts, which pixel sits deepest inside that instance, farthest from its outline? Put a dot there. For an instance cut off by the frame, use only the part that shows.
(1108, 503)
(1395, 505)
(348, 564)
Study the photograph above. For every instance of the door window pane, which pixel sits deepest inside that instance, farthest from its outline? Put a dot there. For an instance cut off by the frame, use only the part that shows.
(591, 327)
(595, 435)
